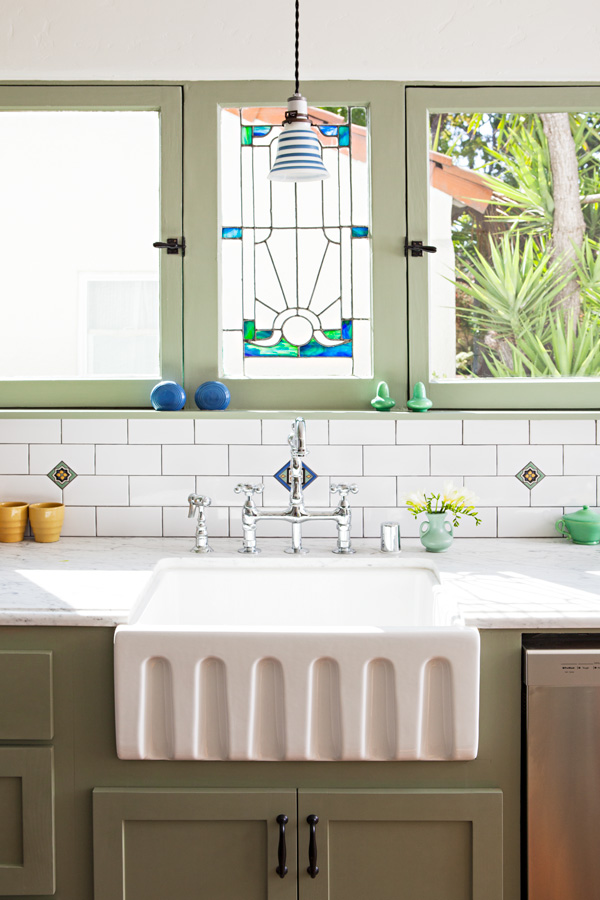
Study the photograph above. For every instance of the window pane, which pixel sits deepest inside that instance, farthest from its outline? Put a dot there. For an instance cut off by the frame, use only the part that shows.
(79, 280)
(295, 258)
(514, 210)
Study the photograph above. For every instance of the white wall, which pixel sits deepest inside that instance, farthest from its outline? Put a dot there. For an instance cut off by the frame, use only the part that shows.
(446, 40)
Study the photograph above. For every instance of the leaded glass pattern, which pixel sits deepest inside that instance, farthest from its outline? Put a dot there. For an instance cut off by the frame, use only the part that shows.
(295, 260)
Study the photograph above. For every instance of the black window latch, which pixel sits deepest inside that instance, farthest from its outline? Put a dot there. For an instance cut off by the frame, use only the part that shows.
(417, 248)
(172, 245)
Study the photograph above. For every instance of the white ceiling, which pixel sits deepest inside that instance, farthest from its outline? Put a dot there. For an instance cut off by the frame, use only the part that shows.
(467, 40)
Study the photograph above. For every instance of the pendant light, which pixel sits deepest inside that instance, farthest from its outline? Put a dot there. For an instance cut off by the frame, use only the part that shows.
(298, 155)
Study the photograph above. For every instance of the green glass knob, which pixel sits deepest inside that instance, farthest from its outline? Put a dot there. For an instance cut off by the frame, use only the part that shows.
(382, 400)
(419, 401)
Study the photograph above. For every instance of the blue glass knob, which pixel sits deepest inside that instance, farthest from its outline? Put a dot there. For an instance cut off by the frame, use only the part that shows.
(212, 395)
(167, 396)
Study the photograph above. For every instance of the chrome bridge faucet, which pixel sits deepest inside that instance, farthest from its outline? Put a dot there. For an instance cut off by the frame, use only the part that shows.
(296, 512)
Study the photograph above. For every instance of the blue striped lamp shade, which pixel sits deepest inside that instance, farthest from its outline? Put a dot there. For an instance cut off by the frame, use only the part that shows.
(298, 155)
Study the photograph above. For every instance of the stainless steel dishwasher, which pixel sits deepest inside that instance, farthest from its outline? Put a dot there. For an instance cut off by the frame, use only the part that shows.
(563, 772)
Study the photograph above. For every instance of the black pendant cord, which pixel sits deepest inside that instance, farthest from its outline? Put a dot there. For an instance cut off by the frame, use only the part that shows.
(297, 48)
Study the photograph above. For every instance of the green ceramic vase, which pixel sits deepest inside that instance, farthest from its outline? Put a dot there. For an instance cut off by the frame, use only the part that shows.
(436, 533)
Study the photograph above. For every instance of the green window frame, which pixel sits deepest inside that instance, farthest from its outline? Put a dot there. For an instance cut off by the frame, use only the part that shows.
(490, 394)
(190, 206)
(112, 392)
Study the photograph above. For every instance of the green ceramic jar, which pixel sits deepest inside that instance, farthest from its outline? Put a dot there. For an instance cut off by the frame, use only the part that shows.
(436, 532)
(583, 526)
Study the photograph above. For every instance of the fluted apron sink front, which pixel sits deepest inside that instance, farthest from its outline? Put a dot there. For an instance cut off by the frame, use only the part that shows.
(297, 659)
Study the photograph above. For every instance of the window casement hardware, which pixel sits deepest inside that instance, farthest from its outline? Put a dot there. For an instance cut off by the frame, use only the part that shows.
(417, 248)
(172, 245)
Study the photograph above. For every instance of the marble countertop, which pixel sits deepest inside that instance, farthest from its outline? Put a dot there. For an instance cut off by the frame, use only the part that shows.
(498, 583)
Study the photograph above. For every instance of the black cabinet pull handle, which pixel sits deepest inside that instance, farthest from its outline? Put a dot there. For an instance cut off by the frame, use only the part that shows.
(282, 869)
(313, 869)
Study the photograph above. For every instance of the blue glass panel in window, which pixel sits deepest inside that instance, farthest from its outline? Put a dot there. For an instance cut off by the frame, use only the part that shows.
(360, 231)
(280, 349)
(313, 348)
(346, 329)
(328, 130)
(261, 130)
(344, 133)
(231, 233)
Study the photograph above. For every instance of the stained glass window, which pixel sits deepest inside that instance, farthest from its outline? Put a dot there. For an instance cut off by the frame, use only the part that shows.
(295, 260)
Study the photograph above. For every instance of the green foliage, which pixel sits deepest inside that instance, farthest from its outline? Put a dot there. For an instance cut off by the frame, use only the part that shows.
(587, 267)
(570, 349)
(515, 290)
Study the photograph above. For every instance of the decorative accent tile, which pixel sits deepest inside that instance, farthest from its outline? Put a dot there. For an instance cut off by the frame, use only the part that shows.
(283, 476)
(530, 475)
(62, 475)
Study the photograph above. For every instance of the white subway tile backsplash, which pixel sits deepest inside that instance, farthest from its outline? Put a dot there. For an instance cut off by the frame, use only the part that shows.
(14, 459)
(97, 490)
(432, 484)
(496, 431)
(528, 522)
(161, 431)
(30, 488)
(141, 487)
(114, 521)
(396, 460)
(429, 431)
(161, 490)
(176, 522)
(327, 460)
(228, 431)
(582, 459)
(94, 431)
(30, 431)
(221, 491)
(547, 457)
(80, 521)
(454, 460)
(468, 528)
(374, 516)
(349, 431)
(379, 491)
(195, 459)
(128, 459)
(79, 457)
(499, 491)
(556, 431)
(276, 431)
(566, 490)
(257, 460)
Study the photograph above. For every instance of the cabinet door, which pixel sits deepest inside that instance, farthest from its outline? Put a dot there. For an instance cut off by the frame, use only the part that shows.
(192, 844)
(402, 845)
(26, 821)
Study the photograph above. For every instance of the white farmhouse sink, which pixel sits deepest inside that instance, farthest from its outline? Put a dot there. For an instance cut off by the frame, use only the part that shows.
(305, 659)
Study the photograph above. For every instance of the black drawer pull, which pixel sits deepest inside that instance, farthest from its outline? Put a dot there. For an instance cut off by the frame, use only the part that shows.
(313, 869)
(282, 869)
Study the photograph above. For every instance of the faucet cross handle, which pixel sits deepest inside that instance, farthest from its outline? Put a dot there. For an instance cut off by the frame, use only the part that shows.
(197, 502)
(249, 489)
(343, 490)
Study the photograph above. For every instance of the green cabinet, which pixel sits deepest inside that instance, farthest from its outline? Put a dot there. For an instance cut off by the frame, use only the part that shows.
(222, 844)
(402, 845)
(27, 821)
(192, 844)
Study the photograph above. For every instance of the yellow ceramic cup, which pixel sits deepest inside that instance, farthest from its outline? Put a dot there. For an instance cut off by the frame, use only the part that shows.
(46, 521)
(13, 519)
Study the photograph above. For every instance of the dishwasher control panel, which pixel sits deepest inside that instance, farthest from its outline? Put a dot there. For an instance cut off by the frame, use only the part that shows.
(563, 668)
